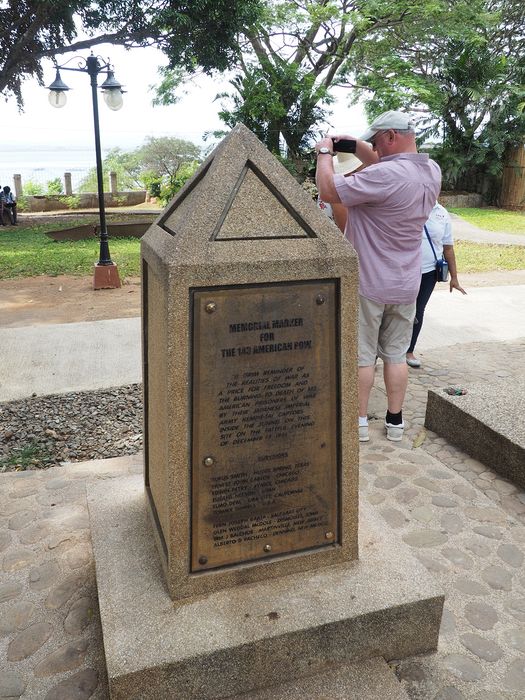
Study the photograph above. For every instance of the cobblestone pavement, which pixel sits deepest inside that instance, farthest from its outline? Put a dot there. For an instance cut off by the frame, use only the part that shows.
(464, 522)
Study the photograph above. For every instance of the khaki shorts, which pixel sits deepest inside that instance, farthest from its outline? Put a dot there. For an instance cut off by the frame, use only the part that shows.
(385, 331)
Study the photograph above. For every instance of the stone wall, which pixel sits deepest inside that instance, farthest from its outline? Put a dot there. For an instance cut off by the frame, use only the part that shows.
(464, 199)
(56, 202)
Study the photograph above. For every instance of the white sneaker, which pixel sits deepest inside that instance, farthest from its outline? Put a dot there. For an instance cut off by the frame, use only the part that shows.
(363, 433)
(394, 432)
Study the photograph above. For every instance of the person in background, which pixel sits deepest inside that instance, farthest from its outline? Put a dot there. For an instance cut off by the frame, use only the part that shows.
(388, 202)
(439, 229)
(8, 202)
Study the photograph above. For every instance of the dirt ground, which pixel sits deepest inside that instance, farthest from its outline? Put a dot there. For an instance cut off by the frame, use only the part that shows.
(67, 299)
(64, 299)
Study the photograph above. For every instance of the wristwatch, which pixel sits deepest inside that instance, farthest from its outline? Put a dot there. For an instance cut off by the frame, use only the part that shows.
(325, 151)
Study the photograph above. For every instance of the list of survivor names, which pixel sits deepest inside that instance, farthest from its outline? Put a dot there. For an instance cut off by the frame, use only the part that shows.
(265, 404)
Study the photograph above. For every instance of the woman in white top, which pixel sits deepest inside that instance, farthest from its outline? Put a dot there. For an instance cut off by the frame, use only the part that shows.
(439, 229)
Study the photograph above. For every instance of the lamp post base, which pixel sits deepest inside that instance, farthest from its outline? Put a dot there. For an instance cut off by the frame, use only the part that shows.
(106, 277)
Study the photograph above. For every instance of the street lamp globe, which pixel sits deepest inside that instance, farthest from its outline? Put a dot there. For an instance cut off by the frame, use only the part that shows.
(57, 92)
(57, 98)
(113, 98)
(112, 92)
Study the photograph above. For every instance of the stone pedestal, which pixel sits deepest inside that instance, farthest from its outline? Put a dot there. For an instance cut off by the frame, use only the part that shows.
(255, 635)
(106, 277)
(251, 457)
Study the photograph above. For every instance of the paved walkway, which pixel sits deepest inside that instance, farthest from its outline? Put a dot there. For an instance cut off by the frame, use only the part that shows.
(466, 525)
(464, 231)
(464, 522)
(57, 358)
(54, 359)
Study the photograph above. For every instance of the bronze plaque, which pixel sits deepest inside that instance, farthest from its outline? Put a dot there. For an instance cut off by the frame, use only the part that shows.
(265, 476)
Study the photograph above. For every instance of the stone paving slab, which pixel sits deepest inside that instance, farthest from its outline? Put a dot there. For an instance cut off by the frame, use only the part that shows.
(463, 521)
(487, 423)
(50, 636)
(475, 551)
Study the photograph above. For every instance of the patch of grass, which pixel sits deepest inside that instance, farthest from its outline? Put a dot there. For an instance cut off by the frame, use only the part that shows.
(493, 219)
(24, 457)
(26, 251)
(479, 257)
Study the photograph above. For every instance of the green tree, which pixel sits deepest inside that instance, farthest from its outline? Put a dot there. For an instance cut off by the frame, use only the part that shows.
(160, 164)
(198, 33)
(461, 68)
(126, 165)
(172, 185)
(166, 155)
(292, 57)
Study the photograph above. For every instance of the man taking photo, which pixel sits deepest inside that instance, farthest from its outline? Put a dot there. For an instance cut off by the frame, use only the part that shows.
(388, 203)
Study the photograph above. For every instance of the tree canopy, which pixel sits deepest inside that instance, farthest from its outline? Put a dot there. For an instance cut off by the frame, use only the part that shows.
(199, 33)
(462, 70)
(458, 63)
(292, 56)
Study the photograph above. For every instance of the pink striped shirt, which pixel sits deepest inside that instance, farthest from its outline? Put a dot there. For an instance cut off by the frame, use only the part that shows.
(390, 202)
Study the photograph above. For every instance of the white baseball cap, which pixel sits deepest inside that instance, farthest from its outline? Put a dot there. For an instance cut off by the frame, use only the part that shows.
(345, 163)
(389, 120)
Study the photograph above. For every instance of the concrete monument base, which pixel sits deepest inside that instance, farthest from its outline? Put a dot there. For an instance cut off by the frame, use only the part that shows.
(106, 277)
(372, 679)
(250, 636)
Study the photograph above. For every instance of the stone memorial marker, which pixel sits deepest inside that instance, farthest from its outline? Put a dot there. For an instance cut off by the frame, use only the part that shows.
(251, 458)
(249, 330)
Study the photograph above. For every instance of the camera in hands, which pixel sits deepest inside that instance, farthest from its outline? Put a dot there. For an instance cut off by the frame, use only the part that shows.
(344, 146)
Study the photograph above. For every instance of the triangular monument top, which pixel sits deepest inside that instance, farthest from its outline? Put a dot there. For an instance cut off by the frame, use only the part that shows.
(241, 193)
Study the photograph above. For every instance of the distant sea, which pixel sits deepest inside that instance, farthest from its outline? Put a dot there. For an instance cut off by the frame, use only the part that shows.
(40, 164)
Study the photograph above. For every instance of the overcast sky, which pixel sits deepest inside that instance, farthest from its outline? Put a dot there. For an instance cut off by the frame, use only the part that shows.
(72, 126)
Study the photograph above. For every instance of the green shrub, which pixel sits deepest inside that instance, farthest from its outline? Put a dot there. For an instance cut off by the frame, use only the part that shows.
(22, 204)
(152, 183)
(55, 186)
(33, 188)
(71, 201)
(174, 184)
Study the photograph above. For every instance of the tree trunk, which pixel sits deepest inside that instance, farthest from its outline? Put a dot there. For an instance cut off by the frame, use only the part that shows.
(512, 193)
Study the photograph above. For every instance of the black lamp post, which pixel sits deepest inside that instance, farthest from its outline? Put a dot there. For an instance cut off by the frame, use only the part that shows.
(112, 91)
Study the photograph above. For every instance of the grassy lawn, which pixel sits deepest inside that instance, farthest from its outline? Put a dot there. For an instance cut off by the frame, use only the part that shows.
(480, 257)
(493, 219)
(27, 252)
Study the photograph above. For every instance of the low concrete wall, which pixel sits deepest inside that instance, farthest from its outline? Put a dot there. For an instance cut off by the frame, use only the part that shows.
(486, 423)
(125, 229)
(467, 199)
(88, 200)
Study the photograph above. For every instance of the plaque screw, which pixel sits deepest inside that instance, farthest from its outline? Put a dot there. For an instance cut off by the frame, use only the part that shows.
(203, 560)
(267, 547)
(329, 535)
(210, 307)
(320, 299)
(208, 461)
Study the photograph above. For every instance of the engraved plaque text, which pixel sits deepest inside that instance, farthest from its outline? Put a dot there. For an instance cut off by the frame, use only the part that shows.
(265, 421)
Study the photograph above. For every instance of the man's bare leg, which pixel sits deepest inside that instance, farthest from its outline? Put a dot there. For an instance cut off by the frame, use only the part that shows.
(366, 382)
(396, 382)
